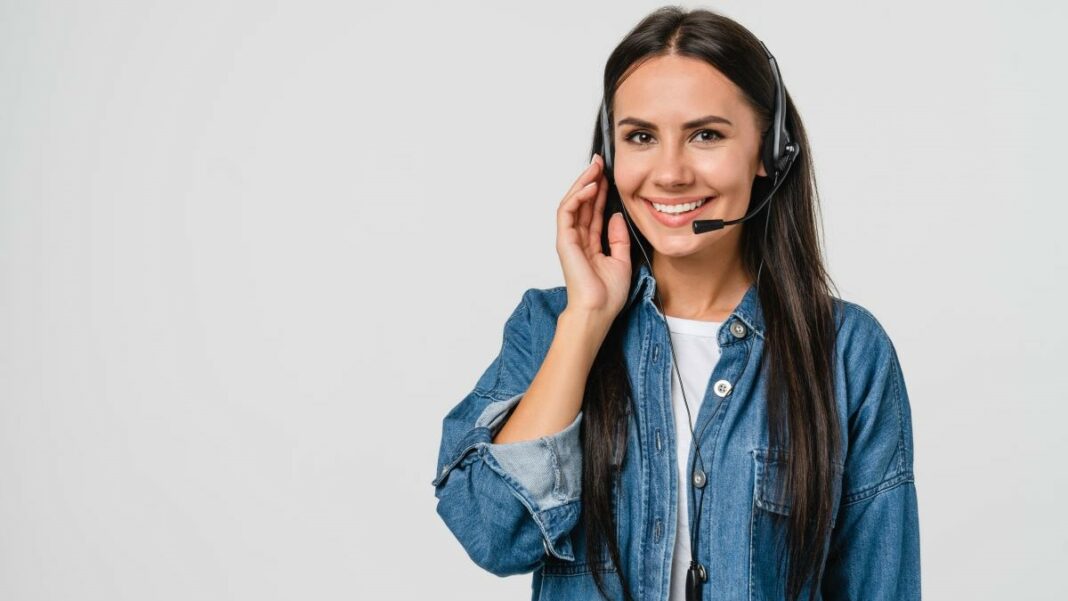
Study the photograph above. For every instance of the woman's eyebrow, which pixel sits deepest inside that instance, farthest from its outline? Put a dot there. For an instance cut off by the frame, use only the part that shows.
(688, 125)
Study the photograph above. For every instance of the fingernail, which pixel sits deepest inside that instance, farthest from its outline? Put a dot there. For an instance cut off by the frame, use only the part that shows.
(593, 159)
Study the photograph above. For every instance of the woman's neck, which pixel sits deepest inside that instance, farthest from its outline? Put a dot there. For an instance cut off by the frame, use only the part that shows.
(700, 289)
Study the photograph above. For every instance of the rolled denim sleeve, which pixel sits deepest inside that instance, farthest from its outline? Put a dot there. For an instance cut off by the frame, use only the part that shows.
(548, 468)
(874, 551)
(508, 504)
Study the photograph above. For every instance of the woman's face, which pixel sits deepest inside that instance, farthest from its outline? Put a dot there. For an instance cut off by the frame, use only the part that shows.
(661, 157)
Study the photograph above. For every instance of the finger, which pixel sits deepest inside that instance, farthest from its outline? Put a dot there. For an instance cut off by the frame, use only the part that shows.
(566, 214)
(587, 176)
(618, 238)
(598, 214)
(585, 214)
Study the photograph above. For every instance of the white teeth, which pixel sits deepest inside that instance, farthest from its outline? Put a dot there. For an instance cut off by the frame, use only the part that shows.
(676, 209)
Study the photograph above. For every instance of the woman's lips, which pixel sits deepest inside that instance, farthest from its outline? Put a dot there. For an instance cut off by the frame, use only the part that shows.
(680, 219)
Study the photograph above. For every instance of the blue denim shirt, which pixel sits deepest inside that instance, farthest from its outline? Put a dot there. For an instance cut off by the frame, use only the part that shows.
(515, 507)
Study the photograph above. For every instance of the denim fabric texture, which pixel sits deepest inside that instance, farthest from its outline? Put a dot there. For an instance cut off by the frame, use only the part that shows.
(515, 508)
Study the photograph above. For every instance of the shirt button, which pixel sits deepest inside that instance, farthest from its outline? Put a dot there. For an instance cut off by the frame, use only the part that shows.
(738, 329)
(699, 478)
(722, 387)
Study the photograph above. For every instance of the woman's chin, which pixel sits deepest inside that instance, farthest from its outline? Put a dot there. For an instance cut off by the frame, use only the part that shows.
(678, 245)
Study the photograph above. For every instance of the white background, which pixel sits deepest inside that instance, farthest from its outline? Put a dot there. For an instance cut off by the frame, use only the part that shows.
(252, 252)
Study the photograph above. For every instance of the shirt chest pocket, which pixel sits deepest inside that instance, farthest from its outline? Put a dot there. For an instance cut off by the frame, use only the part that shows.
(769, 520)
(770, 466)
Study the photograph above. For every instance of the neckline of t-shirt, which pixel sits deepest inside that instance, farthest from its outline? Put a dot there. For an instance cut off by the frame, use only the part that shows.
(693, 327)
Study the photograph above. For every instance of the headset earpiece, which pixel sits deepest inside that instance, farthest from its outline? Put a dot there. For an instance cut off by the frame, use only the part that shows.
(606, 136)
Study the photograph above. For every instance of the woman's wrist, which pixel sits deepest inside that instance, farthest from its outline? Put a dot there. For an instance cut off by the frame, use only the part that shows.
(585, 328)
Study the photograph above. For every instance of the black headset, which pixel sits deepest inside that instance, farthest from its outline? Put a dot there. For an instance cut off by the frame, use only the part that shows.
(778, 153)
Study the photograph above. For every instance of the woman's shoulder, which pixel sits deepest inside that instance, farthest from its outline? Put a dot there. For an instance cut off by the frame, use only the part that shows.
(534, 318)
(541, 307)
(856, 326)
(550, 301)
(864, 347)
(867, 358)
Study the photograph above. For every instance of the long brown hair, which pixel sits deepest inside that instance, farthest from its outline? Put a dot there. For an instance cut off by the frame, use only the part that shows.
(794, 292)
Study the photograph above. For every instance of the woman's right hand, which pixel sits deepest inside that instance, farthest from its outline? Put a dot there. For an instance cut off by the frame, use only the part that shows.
(597, 284)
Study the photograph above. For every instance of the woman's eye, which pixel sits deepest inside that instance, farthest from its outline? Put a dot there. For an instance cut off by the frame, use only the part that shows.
(714, 136)
(710, 131)
(630, 138)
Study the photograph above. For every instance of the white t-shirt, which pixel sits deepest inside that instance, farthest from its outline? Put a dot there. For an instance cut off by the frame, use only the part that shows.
(696, 354)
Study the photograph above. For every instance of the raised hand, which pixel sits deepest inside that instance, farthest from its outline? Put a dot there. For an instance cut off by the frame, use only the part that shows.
(597, 284)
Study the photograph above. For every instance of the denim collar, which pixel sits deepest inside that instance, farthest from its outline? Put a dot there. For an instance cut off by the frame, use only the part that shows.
(748, 309)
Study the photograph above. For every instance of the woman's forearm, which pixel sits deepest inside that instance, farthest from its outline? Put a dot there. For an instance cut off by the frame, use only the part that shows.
(554, 397)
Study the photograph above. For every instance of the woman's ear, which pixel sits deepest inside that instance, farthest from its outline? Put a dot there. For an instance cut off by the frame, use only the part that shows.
(760, 168)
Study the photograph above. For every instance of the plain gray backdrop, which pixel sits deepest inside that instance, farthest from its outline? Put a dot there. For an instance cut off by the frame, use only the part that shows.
(252, 252)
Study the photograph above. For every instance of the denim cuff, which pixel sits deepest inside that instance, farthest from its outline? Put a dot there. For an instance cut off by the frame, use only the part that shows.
(548, 468)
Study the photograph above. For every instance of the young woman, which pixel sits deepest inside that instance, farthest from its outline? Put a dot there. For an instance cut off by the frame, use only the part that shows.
(695, 415)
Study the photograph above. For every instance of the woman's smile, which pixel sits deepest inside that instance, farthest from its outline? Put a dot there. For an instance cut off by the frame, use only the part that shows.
(661, 209)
